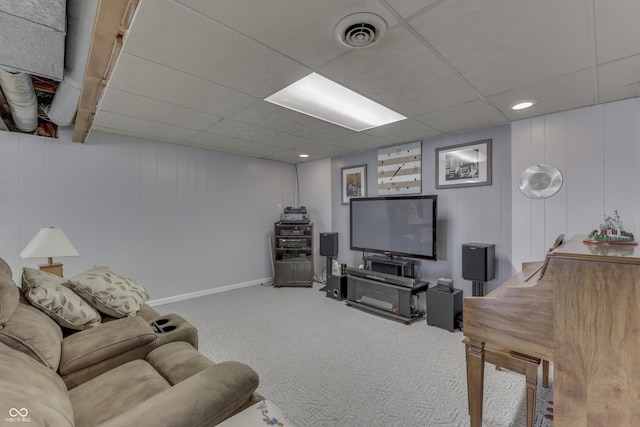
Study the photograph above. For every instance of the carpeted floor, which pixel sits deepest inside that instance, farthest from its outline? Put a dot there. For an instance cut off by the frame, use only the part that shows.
(328, 365)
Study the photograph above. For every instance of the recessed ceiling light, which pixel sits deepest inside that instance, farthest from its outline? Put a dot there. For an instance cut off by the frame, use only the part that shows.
(304, 155)
(319, 97)
(521, 105)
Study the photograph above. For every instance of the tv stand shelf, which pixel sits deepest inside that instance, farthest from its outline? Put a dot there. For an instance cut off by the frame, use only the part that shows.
(396, 266)
(397, 302)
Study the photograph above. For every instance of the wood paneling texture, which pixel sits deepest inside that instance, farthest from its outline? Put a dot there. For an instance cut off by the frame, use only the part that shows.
(179, 219)
(597, 151)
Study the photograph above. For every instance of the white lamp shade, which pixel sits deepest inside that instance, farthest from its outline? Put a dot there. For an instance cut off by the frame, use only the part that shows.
(48, 243)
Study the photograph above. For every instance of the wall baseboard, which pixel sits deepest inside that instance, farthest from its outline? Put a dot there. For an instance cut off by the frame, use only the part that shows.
(191, 295)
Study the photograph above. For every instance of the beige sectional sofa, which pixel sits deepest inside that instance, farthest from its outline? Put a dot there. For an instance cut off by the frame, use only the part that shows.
(142, 370)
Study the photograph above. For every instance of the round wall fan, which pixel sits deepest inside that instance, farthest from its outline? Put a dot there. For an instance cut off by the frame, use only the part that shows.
(540, 181)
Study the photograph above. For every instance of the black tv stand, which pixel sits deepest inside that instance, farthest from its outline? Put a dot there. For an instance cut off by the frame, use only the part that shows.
(398, 296)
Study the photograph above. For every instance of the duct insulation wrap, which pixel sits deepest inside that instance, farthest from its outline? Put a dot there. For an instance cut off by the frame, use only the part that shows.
(64, 105)
(21, 97)
(81, 16)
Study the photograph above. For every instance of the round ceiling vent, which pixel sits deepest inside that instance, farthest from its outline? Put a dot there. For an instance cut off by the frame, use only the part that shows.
(360, 30)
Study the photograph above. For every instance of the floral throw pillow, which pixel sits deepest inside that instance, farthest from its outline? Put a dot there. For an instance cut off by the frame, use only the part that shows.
(47, 292)
(109, 291)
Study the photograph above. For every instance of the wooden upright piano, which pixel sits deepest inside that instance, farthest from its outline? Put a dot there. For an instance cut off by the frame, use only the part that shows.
(580, 309)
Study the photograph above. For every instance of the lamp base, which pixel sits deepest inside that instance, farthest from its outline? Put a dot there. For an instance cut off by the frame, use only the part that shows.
(55, 268)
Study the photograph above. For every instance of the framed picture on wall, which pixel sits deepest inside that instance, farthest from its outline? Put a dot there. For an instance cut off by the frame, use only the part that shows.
(464, 165)
(354, 182)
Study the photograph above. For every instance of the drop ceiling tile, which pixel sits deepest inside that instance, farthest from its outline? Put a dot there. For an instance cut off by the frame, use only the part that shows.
(235, 144)
(139, 76)
(562, 93)
(499, 45)
(127, 104)
(403, 131)
(407, 8)
(304, 32)
(617, 29)
(619, 79)
(442, 65)
(248, 132)
(359, 142)
(207, 49)
(476, 114)
(140, 127)
(401, 73)
(112, 131)
(329, 150)
(267, 115)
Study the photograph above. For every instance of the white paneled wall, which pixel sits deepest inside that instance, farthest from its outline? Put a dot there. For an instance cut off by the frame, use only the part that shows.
(315, 178)
(597, 149)
(465, 215)
(180, 220)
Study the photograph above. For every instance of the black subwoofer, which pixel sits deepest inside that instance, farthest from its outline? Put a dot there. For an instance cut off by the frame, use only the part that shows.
(337, 287)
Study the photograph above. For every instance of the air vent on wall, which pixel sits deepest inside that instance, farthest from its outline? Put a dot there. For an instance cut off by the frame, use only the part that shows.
(360, 30)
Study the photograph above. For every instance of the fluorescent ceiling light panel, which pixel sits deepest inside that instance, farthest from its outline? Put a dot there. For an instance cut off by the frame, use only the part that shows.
(323, 99)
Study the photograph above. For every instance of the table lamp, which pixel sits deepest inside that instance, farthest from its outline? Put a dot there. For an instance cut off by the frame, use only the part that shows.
(48, 243)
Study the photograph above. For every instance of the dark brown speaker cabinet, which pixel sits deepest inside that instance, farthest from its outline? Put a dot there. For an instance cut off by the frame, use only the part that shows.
(293, 254)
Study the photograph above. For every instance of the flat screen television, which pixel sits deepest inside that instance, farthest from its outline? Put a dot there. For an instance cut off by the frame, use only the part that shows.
(395, 226)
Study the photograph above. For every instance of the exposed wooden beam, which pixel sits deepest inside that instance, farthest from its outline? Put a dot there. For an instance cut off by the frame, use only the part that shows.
(112, 23)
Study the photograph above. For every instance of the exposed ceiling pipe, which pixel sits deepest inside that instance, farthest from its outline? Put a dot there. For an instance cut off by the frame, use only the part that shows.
(21, 97)
(81, 16)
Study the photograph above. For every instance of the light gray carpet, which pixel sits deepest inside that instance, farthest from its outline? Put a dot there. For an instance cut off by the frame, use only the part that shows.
(328, 365)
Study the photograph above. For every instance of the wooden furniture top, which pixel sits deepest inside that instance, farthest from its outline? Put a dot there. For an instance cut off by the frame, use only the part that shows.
(578, 309)
(518, 315)
(608, 252)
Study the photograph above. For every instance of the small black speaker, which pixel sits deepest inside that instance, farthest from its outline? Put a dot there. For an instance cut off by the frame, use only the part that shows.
(478, 262)
(329, 244)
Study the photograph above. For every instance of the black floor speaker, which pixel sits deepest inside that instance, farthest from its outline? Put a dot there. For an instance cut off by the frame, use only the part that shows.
(329, 244)
(337, 287)
(478, 262)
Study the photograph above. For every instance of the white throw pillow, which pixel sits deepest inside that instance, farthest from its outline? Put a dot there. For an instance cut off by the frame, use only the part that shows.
(47, 292)
(109, 291)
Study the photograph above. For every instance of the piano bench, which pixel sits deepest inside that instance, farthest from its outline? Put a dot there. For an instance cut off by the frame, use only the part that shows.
(519, 363)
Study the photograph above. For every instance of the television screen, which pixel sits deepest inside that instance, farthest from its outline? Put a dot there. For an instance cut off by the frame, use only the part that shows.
(395, 226)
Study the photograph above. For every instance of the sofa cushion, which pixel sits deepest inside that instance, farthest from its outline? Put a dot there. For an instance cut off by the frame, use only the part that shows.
(109, 291)
(114, 392)
(177, 361)
(31, 394)
(109, 341)
(34, 333)
(204, 399)
(9, 293)
(47, 292)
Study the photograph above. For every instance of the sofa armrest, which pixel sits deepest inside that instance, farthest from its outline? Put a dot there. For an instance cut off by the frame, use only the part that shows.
(103, 342)
(204, 399)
